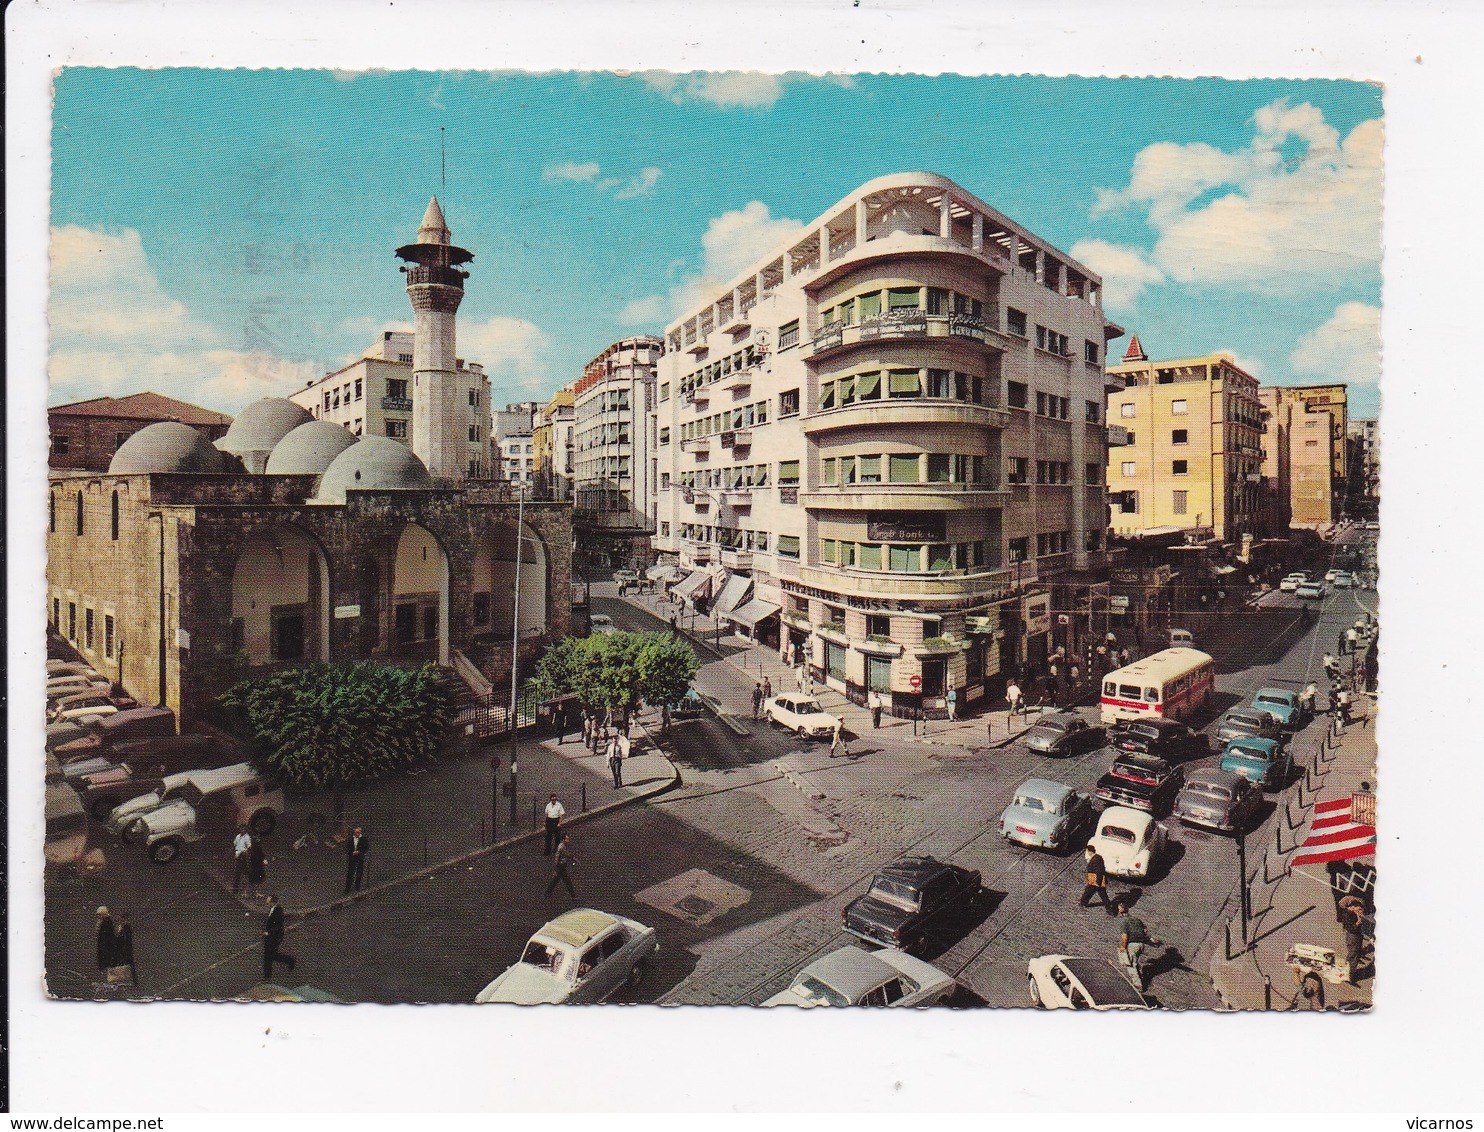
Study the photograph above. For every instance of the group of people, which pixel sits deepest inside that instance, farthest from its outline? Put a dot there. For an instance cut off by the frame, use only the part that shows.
(762, 692)
(1133, 934)
(116, 948)
(602, 738)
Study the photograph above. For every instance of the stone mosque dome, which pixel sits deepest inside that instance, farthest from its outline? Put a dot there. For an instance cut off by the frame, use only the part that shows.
(258, 428)
(309, 449)
(168, 446)
(373, 463)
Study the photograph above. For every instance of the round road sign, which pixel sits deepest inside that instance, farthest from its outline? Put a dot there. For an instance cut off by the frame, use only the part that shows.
(916, 681)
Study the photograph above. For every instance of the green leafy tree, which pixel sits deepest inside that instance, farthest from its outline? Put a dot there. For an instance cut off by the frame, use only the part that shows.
(666, 665)
(556, 672)
(327, 724)
(616, 672)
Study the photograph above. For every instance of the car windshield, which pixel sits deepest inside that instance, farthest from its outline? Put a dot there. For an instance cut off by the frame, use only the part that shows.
(1055, 725)
(1118, 833)
(1281, 701)
(815, 991)
(1244, 719)
(808, 707)
(548, 958)
(1027, 802)
(895, 892)
(1213, 790)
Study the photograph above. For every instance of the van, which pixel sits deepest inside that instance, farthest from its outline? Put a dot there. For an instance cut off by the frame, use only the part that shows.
(1181, 639)
(142, 767)
(167, 818)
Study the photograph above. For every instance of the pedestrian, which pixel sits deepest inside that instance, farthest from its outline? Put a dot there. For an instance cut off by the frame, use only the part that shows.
(1133, 938)
(757, 698)
(873, 701)
(123, 948)
(1102, 658)
(799, 677)
(836, 747)
(615, 762)
(1307, 697)
(560, 867)
(356, 849)
(767, 689)
(273, 940)
(554, 814)
(587, 728)
(1097, 881)
(105, 941)
(257, 865)
(561, 724)
(1311, 990)
(1013, 696)
(788, 654)
(1123, 657)
(1110, 640)
(1352, 914)
(665, 717)
(1076, 676)
(241, 847)
(1331, 665)
(952, 698)
(672, 624)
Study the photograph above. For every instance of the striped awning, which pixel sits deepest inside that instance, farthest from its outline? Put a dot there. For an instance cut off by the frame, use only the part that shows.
(697, 585)
(1334, 835)
(663, 573)
(753, 613)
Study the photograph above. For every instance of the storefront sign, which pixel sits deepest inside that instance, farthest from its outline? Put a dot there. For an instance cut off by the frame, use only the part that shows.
(347, 612)
(1037, 615)
(905, 526)
(1118, 603)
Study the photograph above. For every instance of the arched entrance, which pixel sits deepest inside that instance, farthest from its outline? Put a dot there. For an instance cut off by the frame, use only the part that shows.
(280, 598)
(498, 562)
(420, 597)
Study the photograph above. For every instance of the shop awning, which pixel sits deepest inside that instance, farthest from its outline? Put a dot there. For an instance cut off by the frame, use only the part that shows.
(1334, 835)
(734, 593)
(665, 572)
(753, 613)
(697, 585)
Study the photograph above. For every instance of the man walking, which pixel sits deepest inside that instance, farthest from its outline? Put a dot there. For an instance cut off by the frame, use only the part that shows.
(836, 747)
(560, 866)
(273, 940)
(105, 942)
(757, 698)
(615, 762)
(1013, 696)
(1133, 938)
(767, 689)
(355, 858)
(241, 856)
(952, 698)
(554, 814)
(1097, 881)
(874, 703)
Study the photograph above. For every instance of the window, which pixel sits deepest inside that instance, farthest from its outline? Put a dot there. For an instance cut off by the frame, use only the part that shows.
(327, 400)
(829, 472)
(664, 530)
(1090, 351)
(903, 469)
(829, 551)
(939, 468)
(87, 635)
(869, 468)
(395, 387)
(61, 444)
(1128, 502)
(1016, 393)
(1015, 321)
(937, 300)
(1094, 412)
(870, 305)
(898, 297)
(868, 556)
(878, 625)
(664, 436)
(1094, 474)
(788, 546)
(108, 635)
(1131, 436)
(1179, 407)
(788, 335)
(1019, 469)
(1180, 436)
(1040, 337)
(940, 558)
(473, 397)
(473, 432)
(358, 392)
(397, 430)
(1020, 549)
(788, 403)
(79, 512)
(1126, 411)
(72, 620)
(1128, 467)
(115, 517)
(1040, 404)
(905, 383)
(1180, 467)
(405, 359)
(788, 474)
(905, 559)
(52, 512)
(1182, 502)
(664, 391)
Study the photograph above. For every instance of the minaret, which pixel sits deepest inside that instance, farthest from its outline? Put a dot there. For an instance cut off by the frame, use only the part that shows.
(435, 284)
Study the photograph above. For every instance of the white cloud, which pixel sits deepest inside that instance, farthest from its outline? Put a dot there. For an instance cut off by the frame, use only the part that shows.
(1346, 348)
(1125, 271)
(731, 242)
(643, 183)
(750, 90)
(571, 171)
(1296, 208)
(513, 351)
(587, 172)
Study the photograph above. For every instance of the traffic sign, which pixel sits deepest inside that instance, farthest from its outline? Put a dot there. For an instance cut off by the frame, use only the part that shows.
(916, 681)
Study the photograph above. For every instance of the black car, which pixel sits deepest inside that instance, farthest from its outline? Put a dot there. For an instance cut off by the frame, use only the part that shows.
(908, 899)
(1164, 738)
(1141, 782)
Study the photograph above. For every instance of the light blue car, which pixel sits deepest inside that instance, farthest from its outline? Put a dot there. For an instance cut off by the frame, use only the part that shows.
(1047, 815)
(1283, 705)
(1260, 761)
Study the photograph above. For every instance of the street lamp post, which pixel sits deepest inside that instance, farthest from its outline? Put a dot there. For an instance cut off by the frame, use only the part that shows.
(520, 518)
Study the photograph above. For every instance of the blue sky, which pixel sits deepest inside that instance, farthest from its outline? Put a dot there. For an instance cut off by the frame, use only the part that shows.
(225, 235)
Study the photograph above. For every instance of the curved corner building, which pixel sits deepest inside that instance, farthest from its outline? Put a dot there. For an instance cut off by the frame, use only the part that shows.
(894, 426)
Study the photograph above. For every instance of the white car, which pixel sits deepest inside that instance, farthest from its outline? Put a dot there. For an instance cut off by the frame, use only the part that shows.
(853, 977)
(1310, 590)
(1329, 575)
(89, 707)
(1129, 841)
(581, 956)
(1059, 982)
(57, 686)
(602, 623)
(1343, 580)
(1292, 582)
(801, 715)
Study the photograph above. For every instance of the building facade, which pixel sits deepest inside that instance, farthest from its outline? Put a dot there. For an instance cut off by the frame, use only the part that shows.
(1186, 451)
(1307, 459)
(85, 434)
(551, 438)
(892, 427)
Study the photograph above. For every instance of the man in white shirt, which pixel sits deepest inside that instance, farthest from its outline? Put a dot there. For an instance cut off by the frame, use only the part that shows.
(241, 847)
(1013, 694)
(554, 814)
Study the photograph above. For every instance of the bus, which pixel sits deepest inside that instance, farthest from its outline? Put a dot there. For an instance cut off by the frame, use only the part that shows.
(1173, 684)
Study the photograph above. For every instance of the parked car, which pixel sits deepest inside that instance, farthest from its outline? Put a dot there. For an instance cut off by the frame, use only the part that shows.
(167, 818)
(1282, 704)
(1141, 782)
(125, 726)
(626, 577)
(69, 730)
(1064, 733)
(1293, 581)
(1344, 580)
(68, 668)
(1130, 841)
(1263, 761)
(1329, 575)
(1218, 799)
(601, 623)
(66, 826)
(1046, 815)
(582, 956)
(144, 767)
(1167, 738)
(852, 977)
(88, 707)
(1065, 981)
(689, 705)
(908, 899)
(801, 715)
(1310, 590)
(59, 686)
(1244, 722)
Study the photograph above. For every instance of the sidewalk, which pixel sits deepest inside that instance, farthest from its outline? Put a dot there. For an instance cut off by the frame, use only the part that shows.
(440, 815)
(1295, 906)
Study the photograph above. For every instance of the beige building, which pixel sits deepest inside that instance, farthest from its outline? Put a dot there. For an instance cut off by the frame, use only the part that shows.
(891, 430)
(551, 437)
(1186, 447)
(1303, 462)
(612, 452)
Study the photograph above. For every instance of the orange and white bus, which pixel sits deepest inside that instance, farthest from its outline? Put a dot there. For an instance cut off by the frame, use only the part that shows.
(1172, 684)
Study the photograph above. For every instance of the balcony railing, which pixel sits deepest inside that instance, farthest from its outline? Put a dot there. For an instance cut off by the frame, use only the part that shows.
(731, 556)
(697, 396)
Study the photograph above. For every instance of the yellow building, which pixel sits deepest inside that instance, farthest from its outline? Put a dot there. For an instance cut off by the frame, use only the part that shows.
(1306, 457)
(552, 441)
(1185, 446)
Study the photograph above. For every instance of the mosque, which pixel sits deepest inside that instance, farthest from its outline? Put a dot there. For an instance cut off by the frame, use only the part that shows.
(192, 563)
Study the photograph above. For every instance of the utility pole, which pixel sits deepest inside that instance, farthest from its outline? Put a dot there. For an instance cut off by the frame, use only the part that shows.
(1246, 901)
(520, 518)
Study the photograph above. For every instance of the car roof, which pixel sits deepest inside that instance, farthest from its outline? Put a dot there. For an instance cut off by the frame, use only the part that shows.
(1102, 981)
(1214, 775)
(577, 927)
(1267, 746)
(850, 971)
(1281, 693)
(208, 781)
(1044, 789)
(1135, 820)
(1142, 758)
(915, 869)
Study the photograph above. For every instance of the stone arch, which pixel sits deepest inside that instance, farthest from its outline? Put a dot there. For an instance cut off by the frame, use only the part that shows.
(419, 595)
(535, 582)
(281, 597)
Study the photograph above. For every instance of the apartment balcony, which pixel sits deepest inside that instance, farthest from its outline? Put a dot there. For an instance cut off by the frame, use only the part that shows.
(1048, 564)
(989, 583)
(737, 380)
(1117, 436)
(698, 396)
(397, 404)
(906, 496)
(921, 412)
(737, 438)
(736, 559)
(737, 496)
(735, 324)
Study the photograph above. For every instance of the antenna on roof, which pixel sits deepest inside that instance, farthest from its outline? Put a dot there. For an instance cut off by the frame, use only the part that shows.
(443, 162)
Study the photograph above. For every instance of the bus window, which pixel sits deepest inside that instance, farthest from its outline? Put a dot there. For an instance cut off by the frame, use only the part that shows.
(1110, 689)
(1130, 691)
(1151, 695)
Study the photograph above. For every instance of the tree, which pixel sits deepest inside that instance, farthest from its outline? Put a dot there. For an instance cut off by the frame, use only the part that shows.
(666, 665)
(616, 672)
(327, 724)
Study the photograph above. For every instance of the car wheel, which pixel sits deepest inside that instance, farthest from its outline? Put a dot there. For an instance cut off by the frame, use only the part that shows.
(102, 807)
(1035, 991)
(803, 733)
(126, 834)
(637, 973)
(163, 852)
(263, 822)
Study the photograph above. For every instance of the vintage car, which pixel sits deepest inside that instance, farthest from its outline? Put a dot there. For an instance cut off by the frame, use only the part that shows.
(1263, 761)
(1292, 582)
(144, 768)
(70, 730)
(1218, 799)
(1310, 590)
(1344, 580)
(1067, 982)
(1167, 738)
(127, 726)
(58, 686)
(1130, 842)
(68, 668)
(688, 706)
(167, 818)
(801, 715)
(582, 956)
(1141, 782)
(66, 826)
(1046, 815)
(1282, 704)
(852, 977)
(80, 704)
(1064, 733)
(1246, 722)
(908, 900)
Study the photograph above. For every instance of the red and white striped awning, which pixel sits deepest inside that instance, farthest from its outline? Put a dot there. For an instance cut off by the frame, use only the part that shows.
(1335, 836)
